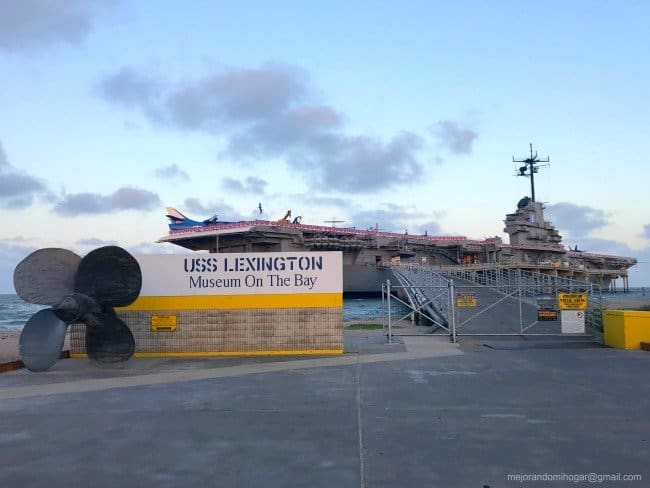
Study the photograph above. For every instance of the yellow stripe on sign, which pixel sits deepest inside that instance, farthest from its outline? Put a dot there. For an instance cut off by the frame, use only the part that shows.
(190, 354)
(203, 302)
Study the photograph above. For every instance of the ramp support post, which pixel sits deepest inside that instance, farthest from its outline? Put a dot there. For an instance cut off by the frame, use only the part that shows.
(452, 311)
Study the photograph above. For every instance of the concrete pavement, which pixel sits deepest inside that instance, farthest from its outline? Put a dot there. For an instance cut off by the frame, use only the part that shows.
(421, 413)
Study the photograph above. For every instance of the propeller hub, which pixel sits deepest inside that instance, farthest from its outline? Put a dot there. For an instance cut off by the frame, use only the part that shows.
(75, 308)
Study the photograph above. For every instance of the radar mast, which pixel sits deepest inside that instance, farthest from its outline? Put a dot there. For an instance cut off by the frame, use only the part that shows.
(530, 167)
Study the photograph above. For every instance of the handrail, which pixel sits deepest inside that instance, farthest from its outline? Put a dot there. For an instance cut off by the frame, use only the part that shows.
(427, 282)
(532, 286)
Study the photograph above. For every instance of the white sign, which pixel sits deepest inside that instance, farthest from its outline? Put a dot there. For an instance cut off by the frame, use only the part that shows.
(241, 274)
(573, 321)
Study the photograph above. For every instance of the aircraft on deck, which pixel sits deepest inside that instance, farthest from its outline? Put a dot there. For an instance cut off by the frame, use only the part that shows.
(179, 221)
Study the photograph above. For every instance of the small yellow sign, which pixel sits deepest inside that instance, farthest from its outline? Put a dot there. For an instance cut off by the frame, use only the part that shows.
(572, 301)
(163, 323)
(466, 299)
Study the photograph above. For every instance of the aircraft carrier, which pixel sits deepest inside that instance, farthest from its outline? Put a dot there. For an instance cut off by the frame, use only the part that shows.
(368, 255)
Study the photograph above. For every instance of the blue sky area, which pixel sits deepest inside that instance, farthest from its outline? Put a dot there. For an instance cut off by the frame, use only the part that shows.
(401, 114)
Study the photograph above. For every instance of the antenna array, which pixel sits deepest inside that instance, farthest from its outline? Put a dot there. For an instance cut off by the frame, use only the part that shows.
(530, 167)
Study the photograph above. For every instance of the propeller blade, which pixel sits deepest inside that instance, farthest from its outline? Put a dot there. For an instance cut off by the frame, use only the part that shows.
(110, 275)
(111, 342)
(46, 276)
(41, 340)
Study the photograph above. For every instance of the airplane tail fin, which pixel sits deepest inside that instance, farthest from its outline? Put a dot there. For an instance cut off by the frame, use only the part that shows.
(174, 215)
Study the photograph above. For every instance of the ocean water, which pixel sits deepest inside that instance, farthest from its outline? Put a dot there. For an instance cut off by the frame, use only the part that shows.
(370, 308)
(634, 293)
(14, 312)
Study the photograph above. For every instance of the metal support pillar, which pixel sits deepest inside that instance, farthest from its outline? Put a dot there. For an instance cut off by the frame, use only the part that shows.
(521, 315)
(452, 311)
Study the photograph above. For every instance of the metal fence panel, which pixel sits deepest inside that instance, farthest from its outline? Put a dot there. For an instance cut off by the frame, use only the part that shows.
(493, 302)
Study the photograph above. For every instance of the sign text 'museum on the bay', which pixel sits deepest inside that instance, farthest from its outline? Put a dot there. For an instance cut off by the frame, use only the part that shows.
(240, 274)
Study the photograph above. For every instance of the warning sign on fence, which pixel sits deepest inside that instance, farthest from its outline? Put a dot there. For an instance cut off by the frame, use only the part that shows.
(466, 299)
(546, 315)
(572, 301)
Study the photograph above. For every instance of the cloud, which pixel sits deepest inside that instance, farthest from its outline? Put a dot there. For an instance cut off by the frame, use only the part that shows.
(310, 140)
(125, 198)
(646, 231)
(431, 228)
(18, 189)
(322, 200)
(296, 127)
(209, 103)
(134, 199)
(171, 172)
(27, 25)
(575, 220)
(223, 210)
(605, 246)
(12, 251)
(358, 163)
(639, 273)
(267, 113)
(238, 95)
(393, 218)
(454, 138)
(156, 248)
(251, 184)
(95, 242)
(130, 88)
(195, 205)
(83, 203)
(578, 221)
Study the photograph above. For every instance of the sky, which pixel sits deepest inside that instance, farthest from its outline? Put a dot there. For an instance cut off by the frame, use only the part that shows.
(402, 115)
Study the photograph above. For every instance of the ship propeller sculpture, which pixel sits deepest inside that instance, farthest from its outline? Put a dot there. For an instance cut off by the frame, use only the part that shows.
(77, 291)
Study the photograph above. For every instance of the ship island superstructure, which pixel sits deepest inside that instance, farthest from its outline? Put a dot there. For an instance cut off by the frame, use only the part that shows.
(534, 245)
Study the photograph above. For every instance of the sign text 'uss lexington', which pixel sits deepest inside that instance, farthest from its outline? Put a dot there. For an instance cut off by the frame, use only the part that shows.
(241, 274)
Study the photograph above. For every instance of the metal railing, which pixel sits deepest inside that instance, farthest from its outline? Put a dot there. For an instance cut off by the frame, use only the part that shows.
(429, 293)
(425, 285)
(533, 286)
(418, 302)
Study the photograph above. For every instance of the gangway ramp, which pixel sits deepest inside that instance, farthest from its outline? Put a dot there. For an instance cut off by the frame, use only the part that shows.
(534, 291)
(497, 312)
(461, 306)
(423, 298)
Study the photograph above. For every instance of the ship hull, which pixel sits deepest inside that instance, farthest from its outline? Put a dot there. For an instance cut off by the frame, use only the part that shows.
(363, 281)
